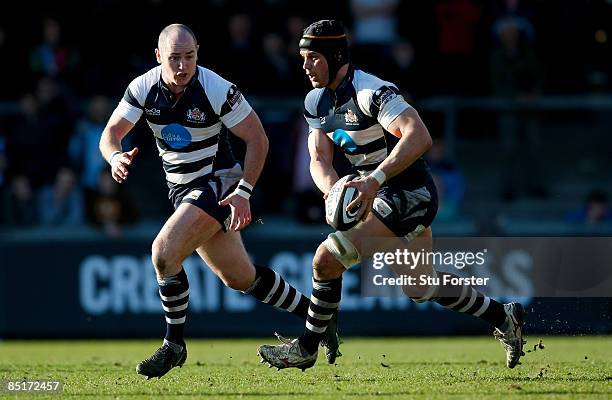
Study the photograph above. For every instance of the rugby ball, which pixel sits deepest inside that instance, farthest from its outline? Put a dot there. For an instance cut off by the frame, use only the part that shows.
(338, 198)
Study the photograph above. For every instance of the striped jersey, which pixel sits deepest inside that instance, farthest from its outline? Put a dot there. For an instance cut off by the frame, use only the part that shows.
(356, 116)
(191, 131)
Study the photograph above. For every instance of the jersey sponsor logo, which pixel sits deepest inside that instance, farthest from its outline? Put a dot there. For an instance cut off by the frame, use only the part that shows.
(194, 195)
(382, 207)
(322, 119)
(351, 118)
(383, 95)
(176, 136)
(344, 140)
(234, 97)
(152, 111)
(195, 115)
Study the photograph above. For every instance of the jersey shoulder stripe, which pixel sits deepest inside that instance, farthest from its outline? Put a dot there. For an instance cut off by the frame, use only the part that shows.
(311, 105)
(225, 98)
(139, 88)
(378, 98)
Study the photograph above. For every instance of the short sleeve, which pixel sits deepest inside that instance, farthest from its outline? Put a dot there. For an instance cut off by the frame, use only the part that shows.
(226, 99)
(310, 108)
(132, 104)
(387, 104)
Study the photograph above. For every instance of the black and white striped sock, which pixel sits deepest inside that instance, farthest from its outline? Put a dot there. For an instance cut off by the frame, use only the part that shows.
(466, 299)
(324, 302)
(174, 293)
(270, 288)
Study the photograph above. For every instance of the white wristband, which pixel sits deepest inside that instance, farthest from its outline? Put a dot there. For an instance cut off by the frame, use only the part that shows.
(114, 153)
(244, 189)
(379, 175)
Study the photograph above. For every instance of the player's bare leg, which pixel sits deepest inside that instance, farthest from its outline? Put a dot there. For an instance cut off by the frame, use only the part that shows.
(182, 233)
(508, 319)
(327, 285)
(267, 286)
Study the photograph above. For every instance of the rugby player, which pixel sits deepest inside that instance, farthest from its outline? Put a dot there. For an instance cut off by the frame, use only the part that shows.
(384, 138)
(190, 110)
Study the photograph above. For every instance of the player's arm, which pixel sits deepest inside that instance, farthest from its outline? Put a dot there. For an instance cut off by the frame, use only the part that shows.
(321, 151)
(394, 114)
(252, 133)
(414, 142)
(110, 146)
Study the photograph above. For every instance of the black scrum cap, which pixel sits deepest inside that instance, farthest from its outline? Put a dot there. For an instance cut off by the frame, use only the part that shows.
(328, 38)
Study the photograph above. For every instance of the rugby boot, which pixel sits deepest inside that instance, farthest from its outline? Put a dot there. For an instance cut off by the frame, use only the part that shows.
(512, 337)
(163, 360)
(331, 341)
(288, 354)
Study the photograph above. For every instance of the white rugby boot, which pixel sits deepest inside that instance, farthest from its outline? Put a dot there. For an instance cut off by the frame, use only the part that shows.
(288, 354)
(512, 337)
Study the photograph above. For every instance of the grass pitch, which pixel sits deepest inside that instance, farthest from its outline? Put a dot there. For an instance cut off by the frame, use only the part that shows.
(416, 368)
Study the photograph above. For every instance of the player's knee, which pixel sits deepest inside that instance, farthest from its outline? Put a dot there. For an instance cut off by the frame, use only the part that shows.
(163, 259)
(235, 281)
(325, 265)
(423, 293)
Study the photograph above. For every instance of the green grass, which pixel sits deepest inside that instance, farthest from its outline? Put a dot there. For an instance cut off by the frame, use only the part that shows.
(470, 368)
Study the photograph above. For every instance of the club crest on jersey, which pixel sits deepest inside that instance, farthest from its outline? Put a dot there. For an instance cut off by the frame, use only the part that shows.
(351, 118)
(195, 115)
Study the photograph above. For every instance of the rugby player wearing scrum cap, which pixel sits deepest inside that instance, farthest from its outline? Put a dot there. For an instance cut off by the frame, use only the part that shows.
(384, 138)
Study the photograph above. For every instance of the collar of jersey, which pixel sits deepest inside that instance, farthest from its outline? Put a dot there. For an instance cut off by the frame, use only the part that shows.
(166, 89)
(346, 81)
(344, 89)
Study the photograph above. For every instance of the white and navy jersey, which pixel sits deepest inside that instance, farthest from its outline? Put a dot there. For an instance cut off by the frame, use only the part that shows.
(356, 117)
(190, 131)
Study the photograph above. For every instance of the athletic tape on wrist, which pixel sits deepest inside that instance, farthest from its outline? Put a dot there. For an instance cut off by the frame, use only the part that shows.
(242, 193)
(379, 175)
(244, 189)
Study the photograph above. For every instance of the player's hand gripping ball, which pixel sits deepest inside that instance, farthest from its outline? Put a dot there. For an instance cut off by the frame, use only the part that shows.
(338, 198)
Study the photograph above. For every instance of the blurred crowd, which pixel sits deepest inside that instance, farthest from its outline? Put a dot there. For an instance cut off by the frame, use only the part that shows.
(66, 74)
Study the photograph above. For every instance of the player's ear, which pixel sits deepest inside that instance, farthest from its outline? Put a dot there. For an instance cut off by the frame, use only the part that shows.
(158, 55)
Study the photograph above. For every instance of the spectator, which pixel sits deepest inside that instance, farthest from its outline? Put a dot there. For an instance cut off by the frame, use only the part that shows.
(596, 210)
(83, 147)
(240, 49)
(3, 161)
(517, 77)
(51, 57)
(402, 69)
(11, 88)
(19, 205)
(275, 66)
(38, 143)
(61, 204)
(449, 181)
(457, 21)
(3, 176)
(110, 207)
(310, 206)
(299, 84)
(374, 31)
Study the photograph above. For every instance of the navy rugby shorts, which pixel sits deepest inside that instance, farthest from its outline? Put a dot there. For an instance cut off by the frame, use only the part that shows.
(406, 212)
(206, 192)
